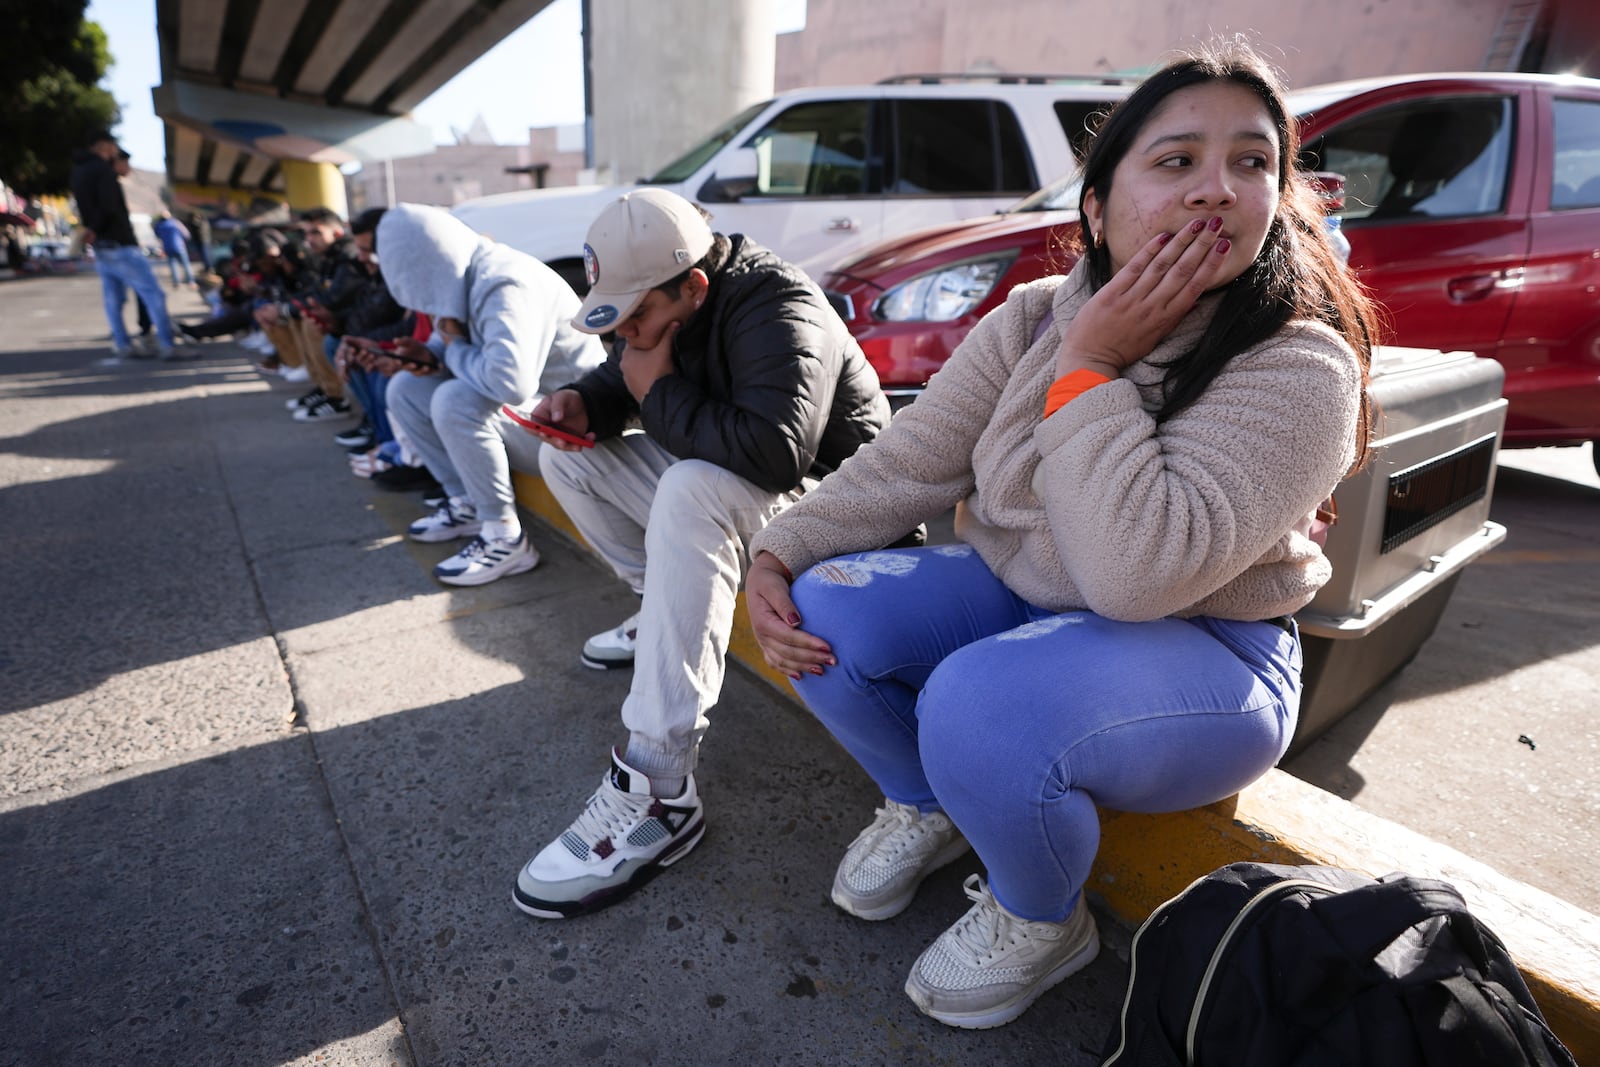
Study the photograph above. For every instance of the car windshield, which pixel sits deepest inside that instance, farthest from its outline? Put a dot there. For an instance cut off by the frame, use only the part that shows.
(1059, 194)
(1062, 194)
(685, 165)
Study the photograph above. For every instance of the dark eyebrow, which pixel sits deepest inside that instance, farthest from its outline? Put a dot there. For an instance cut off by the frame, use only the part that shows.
(1184, 138)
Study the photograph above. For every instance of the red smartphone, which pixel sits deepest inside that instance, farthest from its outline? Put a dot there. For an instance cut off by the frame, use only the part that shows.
(539, 426)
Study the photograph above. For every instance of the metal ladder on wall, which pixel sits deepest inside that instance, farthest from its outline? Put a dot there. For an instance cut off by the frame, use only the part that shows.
(1511, 37)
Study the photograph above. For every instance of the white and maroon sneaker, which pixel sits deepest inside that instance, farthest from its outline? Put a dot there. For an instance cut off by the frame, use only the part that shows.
(624, 838)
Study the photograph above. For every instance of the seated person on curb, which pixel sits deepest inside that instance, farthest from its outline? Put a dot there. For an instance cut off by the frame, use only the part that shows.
(748, 388)
(500, 336)
(1135, 452)
(326, 290)
(372, 313)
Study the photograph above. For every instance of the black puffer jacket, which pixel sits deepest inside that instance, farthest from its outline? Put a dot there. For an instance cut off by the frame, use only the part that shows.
(769, 384)
(374, 314)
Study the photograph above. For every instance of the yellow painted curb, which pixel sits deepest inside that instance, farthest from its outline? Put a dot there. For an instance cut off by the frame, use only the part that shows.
(1146, 859)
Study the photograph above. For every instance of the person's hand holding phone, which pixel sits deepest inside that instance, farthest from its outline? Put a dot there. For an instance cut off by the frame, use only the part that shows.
(389, 358)
(562, 410)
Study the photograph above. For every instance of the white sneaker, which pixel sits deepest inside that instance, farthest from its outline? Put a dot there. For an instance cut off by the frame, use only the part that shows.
(986, 969)
(614, 648)
(483, 561)
(294, 374)
(624, 838)
(451, 521)
(887, 861)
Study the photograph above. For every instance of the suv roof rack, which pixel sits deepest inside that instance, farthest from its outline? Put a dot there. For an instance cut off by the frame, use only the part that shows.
(1005, 78)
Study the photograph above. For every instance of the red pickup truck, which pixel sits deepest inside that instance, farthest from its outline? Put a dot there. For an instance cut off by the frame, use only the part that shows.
(1472, 207)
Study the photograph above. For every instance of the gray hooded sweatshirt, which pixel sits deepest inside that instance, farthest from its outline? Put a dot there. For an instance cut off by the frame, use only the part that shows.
(520, 342)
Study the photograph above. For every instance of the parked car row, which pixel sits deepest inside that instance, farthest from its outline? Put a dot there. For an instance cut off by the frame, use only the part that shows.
(818, 174)
(1471, 206)
(1472, 210)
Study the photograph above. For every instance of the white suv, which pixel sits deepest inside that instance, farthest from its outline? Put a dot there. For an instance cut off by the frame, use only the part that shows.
(818, 174)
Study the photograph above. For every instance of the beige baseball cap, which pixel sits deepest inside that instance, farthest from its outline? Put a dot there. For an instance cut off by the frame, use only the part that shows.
(642, 239)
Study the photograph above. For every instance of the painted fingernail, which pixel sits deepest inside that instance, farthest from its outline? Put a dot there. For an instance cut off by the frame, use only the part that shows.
(1163, 238)
(816, 670)
(1223, 246)
(1196, 226)
(794, 620)
(1216, 223)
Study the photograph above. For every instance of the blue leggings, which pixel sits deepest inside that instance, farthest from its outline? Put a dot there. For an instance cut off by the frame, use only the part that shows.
(955, 694)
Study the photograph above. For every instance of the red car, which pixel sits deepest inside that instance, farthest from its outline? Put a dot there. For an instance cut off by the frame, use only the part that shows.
(1472, 207)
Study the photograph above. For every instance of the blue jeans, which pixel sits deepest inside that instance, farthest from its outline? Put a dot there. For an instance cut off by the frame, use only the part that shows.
(955, 694)
(369, 388)
(177, 261)
(122, 268)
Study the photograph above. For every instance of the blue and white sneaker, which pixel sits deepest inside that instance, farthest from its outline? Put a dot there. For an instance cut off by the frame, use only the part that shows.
(450, 521)
(482, 561)
(624, 838)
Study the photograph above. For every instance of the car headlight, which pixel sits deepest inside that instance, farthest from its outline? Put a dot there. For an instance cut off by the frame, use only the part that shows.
(946, 294)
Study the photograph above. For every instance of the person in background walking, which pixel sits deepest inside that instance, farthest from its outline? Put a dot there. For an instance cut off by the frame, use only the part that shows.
(174, 238)
(117, 256)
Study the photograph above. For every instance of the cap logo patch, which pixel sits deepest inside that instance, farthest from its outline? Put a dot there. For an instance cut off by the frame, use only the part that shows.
(681, 255)
(601, 317)
(591, 266)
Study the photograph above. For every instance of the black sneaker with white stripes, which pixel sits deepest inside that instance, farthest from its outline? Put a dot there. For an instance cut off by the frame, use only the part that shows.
(326, 408)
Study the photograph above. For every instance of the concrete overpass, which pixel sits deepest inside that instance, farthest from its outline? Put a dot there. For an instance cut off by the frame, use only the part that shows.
(267, 98)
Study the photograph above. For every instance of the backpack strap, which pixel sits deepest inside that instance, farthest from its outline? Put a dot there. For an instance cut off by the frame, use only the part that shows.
(1368, 919)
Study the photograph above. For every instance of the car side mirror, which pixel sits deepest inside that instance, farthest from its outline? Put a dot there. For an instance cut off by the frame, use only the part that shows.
(735, 179)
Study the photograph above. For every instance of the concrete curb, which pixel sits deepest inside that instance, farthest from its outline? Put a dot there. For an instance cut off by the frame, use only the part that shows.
(1146, 859)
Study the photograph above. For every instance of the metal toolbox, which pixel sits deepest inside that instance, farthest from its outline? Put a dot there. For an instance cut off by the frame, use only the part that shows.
(1408, 523)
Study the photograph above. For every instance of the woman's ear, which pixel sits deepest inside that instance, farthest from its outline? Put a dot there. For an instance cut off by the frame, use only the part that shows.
(1093, 219)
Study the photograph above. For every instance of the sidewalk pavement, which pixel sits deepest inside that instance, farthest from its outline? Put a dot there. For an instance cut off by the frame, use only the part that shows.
(265, 785)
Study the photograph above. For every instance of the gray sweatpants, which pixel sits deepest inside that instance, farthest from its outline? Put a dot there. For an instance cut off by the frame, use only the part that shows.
(464, 439)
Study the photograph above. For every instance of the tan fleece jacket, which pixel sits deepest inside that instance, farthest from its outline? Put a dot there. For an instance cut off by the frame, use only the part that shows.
(1097, 506)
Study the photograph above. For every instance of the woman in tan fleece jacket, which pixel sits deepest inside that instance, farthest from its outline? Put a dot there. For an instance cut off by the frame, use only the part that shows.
(1134, 452)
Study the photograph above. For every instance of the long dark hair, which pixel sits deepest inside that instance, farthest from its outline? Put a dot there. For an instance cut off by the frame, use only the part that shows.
(1297, 274)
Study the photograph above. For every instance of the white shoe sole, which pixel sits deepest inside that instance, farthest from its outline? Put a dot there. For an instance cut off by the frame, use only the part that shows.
(440, 534)
(890, 908)
(1004, 1013)
(521, 566)
(606, 897)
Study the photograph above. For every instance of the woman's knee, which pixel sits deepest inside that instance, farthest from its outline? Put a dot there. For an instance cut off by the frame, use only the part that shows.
(838, 597)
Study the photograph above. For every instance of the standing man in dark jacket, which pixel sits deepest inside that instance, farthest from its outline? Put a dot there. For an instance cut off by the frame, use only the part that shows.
(117, 256)
(748, 388)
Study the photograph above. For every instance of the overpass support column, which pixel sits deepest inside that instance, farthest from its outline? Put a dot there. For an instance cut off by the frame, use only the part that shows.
(310, 185)
(665, 75)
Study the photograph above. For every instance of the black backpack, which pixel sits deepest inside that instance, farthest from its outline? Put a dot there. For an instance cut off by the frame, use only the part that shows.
(1257, 965)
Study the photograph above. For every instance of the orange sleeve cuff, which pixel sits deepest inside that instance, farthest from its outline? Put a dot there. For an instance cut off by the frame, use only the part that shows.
(1069, 387)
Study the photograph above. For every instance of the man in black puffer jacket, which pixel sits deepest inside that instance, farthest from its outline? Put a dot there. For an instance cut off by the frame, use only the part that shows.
(748, 389)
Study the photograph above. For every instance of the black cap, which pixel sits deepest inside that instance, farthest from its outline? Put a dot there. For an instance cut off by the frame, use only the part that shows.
(102, 135)
(122, 153)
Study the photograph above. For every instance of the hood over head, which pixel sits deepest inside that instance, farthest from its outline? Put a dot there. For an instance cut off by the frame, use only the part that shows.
(426, 255)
